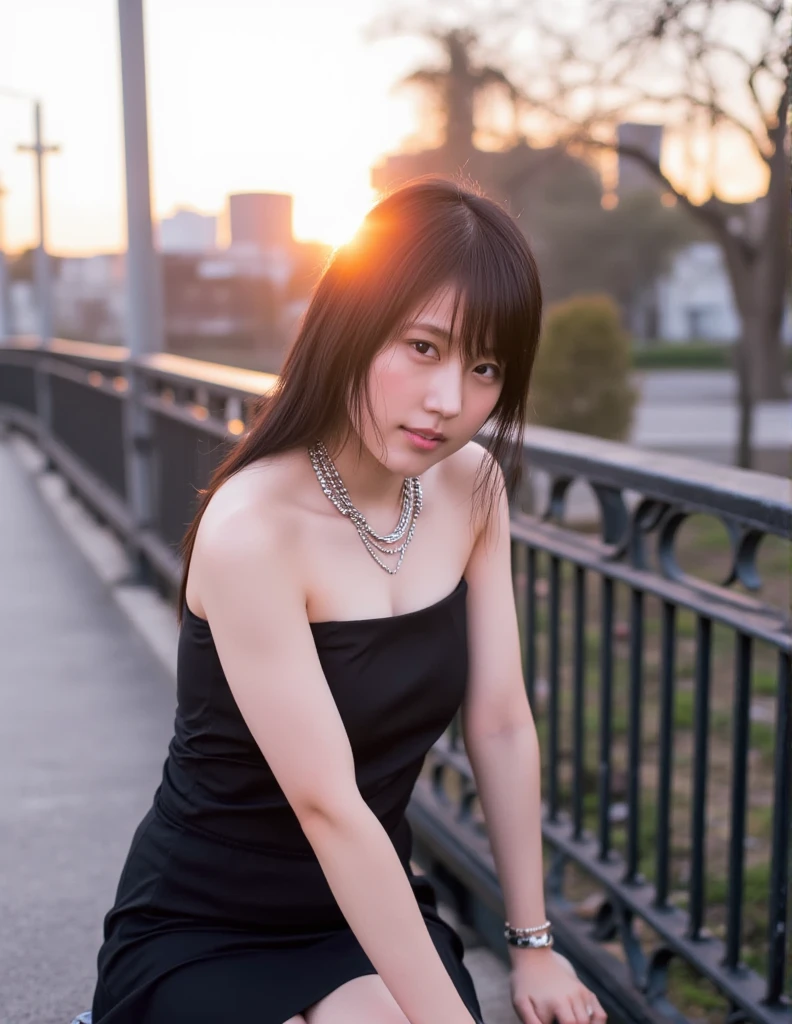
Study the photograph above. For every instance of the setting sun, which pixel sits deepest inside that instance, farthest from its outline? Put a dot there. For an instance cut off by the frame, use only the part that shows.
(331, 218)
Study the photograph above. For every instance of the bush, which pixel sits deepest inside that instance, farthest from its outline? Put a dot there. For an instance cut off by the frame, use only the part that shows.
(581, 378)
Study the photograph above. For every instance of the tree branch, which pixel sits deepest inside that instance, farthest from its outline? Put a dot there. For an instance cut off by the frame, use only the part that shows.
(706, 212)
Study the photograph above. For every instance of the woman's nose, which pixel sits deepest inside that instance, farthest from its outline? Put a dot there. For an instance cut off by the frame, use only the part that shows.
(445, 395)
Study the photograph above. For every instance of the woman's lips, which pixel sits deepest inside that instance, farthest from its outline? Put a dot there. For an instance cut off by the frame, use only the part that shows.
(424, 444)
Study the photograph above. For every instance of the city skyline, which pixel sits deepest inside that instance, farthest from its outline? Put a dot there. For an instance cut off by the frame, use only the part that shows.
(324, 93)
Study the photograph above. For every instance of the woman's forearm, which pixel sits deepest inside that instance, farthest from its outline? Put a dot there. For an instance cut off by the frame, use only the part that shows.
(506, 766)
(373, 892)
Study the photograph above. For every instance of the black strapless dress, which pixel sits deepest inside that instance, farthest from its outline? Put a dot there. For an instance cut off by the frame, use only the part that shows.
(223, 912)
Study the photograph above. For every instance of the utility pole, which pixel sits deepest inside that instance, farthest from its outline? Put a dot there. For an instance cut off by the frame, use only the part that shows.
(43, 275)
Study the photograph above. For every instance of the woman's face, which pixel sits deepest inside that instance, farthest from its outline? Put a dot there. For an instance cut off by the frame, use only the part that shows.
(420, 384)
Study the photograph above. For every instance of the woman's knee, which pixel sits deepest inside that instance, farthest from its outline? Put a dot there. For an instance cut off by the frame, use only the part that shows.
(364, 1000)
(299, 1019)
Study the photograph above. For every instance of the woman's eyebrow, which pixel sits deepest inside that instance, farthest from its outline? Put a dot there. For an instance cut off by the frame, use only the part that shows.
(431, 328)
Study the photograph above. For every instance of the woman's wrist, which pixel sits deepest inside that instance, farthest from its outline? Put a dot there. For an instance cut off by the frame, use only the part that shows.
(529, 956)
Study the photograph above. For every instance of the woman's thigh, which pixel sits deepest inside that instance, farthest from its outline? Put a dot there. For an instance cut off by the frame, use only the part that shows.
(363, 1000)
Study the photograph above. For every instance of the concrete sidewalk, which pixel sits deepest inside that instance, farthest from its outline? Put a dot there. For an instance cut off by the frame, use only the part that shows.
(87, 715)
(88, 701)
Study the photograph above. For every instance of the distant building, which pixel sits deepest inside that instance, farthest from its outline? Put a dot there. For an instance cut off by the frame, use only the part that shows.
(215, 311)
(634, 176)
(23, 308)
(518, 177)
(272, 265)
(188, 232)
(694, 300)
(261, 220)
(6, 323)
(89, 298)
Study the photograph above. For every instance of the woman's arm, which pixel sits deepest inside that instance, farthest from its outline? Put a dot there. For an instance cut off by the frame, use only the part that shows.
(250, 589)
(501, 743)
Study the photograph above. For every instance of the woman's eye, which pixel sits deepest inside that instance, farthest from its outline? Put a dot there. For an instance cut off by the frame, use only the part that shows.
(494, 375)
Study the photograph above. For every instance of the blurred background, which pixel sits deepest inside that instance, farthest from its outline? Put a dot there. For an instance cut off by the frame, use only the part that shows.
(639, 145)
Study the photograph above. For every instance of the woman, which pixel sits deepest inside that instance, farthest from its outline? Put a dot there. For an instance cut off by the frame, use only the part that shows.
(271, 881)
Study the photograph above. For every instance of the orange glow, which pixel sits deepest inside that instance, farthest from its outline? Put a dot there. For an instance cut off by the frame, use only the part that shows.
(236, 427)
(610, 201)
(333, 222)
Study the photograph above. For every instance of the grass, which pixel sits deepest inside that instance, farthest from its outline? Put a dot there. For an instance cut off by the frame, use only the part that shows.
(765, 683)
(691, 355)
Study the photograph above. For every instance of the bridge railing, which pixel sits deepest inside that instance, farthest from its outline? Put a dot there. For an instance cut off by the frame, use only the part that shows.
(662, 695)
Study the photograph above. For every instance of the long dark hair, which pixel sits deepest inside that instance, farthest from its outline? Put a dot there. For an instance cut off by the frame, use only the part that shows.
(426, 234)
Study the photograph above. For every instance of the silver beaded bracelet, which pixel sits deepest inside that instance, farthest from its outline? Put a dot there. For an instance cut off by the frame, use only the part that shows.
(527, 931)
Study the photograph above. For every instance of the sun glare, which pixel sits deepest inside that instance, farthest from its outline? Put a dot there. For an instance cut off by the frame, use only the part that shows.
(334, 222)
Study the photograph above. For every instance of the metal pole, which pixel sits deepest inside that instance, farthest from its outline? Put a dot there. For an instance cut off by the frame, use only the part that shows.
(143, 278)
(5, 305)
(144, 329)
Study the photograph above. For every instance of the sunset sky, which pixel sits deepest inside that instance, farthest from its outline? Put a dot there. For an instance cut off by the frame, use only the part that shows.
(243, 95)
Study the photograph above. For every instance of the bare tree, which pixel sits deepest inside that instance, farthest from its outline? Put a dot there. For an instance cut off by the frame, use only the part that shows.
(456, 84)
(714, 74)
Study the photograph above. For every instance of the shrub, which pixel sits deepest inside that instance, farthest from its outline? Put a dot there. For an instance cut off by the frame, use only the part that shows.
(683, 356)
(690, 355)
(581, 379)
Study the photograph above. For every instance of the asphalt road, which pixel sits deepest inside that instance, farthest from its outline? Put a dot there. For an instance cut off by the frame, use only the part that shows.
(696, 412)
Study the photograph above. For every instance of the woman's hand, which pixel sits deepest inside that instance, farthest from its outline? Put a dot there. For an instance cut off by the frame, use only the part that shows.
(545, 989)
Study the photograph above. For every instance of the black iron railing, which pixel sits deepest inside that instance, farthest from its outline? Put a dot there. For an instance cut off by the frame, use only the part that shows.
(653, 595)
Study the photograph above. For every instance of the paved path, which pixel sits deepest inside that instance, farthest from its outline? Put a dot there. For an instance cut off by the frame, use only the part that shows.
(87, 712)
(696, 411)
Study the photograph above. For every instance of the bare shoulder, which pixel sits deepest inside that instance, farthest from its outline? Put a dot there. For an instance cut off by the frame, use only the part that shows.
(465, 470)
(249, 522)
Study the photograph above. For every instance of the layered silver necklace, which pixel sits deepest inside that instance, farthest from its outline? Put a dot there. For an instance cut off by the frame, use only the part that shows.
(412, 502)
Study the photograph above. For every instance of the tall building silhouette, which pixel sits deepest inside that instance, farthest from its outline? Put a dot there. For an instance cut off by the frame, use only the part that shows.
(261, 220)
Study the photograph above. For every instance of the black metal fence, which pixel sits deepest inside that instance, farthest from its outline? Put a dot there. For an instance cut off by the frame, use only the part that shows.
(656, 659)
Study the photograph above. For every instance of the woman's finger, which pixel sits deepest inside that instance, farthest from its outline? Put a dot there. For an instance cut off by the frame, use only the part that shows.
(527, 1013)
(565, 1012)
(599, 1016)
(582, 1003)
